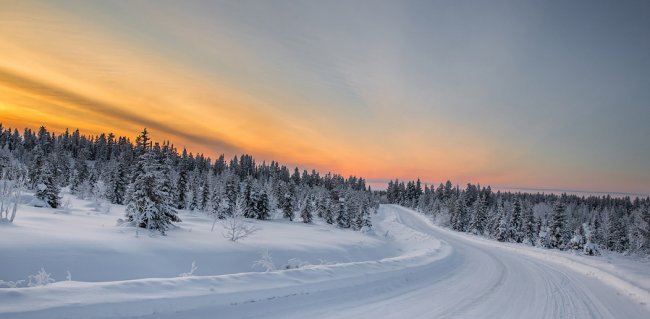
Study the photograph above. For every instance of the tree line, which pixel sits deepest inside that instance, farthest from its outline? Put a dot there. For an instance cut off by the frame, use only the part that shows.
(565, 222)
(155, 180)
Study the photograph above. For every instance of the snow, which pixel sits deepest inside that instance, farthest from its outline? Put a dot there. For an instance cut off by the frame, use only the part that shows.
(405, 268)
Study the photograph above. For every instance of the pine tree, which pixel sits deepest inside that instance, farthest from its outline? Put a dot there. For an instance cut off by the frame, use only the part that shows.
(645, 229)
(503, 231)
(529, 230)
(557, 226)
(263, 211)
(231, 194)
(36, 167)
(617, 236)
(342, 218)
(306, 210)
(250, 208)
(331, 208)
(286, 203)
(205, 193)
(46, 188)
(150, 205)
(181, 188)
(365, 212)
(459, 214)
(516, 226)
(117, 183)
(363, 217)
(479, 217)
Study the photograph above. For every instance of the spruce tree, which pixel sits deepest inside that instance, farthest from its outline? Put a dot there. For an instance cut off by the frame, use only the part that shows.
(181, 188)
(331, 208)
(617, 235)
(365, 215)
(231, 194)
(459, 214)
(479, 217)
(529, 231)
(644, 229)
(306, 210)
(342, 218)
(503, 230)
(118, 182)
(263, 211)
(46, 188)
(516, 227)
(250, 208)
(557, 226)
(205, 193)
(286, 203)
(150, 206)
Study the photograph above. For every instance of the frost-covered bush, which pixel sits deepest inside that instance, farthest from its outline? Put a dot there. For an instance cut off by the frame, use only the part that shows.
(193, 268)
(265, 261)
(235, 227)
(10, 192)
(41, 278)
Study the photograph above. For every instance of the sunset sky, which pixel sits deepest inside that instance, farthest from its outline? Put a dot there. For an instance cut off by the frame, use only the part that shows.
(537, 94)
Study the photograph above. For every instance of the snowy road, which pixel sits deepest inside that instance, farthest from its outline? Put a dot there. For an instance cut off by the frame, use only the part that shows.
(460, 277)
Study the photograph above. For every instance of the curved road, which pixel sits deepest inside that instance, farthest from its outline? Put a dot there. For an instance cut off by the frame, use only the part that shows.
(473, 281)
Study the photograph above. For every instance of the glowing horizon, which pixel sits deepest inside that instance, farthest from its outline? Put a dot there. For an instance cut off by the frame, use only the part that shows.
(397, 90)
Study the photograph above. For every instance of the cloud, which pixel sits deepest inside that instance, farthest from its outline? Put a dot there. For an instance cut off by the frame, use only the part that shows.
(78, 102)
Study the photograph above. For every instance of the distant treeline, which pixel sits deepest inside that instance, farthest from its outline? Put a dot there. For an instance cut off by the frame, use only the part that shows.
(591, 223)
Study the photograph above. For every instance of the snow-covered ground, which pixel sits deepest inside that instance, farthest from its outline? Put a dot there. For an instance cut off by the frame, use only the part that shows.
(406, 268)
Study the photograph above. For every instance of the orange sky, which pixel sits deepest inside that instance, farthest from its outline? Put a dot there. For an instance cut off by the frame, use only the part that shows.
(217, 86)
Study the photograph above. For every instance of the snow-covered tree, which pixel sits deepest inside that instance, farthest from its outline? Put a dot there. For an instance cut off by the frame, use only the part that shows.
(479, 217)
(306, 210)
(46, 188)
(150, 203)
(557, 226)
(516, 225)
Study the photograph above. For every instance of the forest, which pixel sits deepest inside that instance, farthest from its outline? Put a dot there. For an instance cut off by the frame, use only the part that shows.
(155, 180)
(566, 222)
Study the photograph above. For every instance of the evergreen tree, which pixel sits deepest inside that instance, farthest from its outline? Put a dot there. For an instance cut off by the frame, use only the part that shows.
(181, 188)
(617, 235)
(342, 218)
(557, 235)
(231, 194)
(529, 231)
(80, 174)
(150, 205)
(286, 203)
(363, 218)
(263, 211)
(205, 193)
(503, 231)
(516, 225)
(459, 215)
(250, 207)
(118, 182)
(331, 208)
(479, 217)
(306, 210)
(46, 188)
(644, 229)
